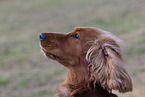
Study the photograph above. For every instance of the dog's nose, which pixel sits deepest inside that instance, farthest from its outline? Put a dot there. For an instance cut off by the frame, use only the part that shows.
(42, 36)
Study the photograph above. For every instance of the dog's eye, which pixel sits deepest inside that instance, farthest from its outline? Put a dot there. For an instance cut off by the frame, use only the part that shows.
(76, 36)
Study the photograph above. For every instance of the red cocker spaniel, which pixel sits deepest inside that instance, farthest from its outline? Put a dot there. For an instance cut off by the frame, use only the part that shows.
(94, 59)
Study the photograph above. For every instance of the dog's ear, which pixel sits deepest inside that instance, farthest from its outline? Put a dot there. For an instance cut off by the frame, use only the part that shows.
(106, 67)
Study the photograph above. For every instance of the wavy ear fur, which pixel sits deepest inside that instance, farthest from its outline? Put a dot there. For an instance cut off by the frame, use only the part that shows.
(105, 57)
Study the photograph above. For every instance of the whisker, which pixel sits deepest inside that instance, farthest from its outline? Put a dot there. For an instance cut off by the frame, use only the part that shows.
(59, 70)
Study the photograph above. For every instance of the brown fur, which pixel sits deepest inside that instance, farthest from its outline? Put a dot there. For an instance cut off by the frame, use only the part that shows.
(94, 60)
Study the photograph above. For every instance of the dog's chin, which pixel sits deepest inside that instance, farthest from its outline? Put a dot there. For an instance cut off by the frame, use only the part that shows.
(52, 56)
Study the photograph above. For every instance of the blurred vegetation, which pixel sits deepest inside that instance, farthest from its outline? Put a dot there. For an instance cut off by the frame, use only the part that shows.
(25, 72)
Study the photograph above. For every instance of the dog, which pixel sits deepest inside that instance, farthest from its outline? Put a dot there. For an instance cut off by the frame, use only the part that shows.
(94, 58)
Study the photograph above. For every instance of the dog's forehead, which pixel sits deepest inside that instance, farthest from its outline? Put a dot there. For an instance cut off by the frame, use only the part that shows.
(83, 28)
(88, 31)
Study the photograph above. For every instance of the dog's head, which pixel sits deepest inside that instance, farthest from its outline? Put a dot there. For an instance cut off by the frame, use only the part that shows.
(95, 49)
(68, 48)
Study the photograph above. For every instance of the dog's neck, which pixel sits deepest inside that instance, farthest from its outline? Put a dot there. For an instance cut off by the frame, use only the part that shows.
(78, 73)
(78, 84)
(77, 77)
(75, 82)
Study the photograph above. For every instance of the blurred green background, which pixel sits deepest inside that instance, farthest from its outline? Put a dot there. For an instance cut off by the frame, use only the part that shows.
(25, 72)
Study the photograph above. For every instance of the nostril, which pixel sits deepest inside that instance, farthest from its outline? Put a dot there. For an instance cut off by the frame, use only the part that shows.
(42, 36)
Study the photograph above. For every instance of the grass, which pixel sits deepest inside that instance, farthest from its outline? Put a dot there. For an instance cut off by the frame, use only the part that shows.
(5, 80)
(25, 72)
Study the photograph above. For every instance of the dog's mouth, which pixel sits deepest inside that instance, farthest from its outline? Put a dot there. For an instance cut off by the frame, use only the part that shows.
(52, 56)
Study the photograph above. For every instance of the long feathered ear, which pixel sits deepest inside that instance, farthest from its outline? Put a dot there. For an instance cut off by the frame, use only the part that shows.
(105, 57)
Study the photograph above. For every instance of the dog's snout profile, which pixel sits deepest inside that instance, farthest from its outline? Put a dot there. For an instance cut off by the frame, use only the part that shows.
(42, 36)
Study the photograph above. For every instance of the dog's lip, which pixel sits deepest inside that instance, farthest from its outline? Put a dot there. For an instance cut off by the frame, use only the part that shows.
(43, 50)
(53, 56)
